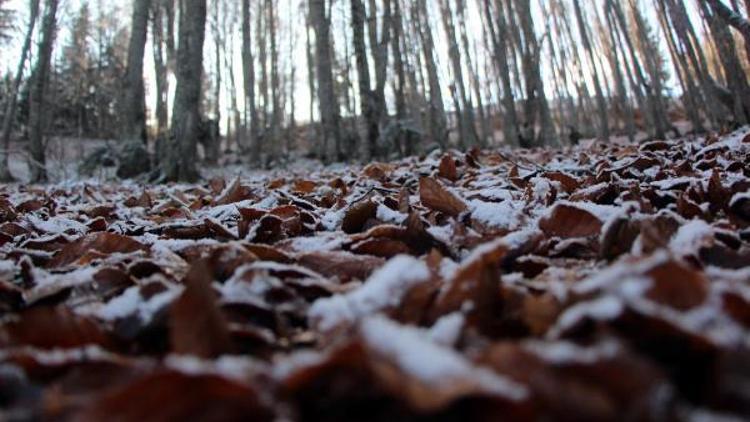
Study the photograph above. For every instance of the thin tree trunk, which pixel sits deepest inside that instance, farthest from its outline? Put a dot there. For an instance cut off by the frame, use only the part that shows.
(601, 102)
(366, 95)
(379, 48)
(10, 107)
(248, 68)
(733, 19)
(134, 96)
(735, 74)
(314, 137)
(38, 110)
(438, 125)
(465, 112)
(160, 69)
(499, 42)
(327, 102)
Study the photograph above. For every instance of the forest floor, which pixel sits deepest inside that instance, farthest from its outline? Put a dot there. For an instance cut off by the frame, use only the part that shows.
(601, 282)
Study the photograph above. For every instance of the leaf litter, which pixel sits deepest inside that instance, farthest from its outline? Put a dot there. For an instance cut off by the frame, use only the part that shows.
(601, 282)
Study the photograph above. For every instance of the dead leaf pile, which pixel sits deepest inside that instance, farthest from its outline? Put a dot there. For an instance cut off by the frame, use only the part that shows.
(603, 282)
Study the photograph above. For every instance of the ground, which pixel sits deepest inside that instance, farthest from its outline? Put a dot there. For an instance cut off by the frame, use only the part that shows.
(601, 282)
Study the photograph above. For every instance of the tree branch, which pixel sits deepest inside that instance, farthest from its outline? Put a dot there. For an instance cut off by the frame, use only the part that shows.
(732, 19)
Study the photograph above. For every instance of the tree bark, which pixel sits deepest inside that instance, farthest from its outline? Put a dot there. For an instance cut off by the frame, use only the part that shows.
(133, 93)
(366, 95)
(734, 20)
(438, 125)
(327, 101)
(160, 70)
(186, 116)
(248, 69)
(10, 107)
(600, 101)
(38, 110)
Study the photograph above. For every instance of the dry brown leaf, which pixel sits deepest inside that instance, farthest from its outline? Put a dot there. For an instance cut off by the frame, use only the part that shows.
(436, 197)
(197, 327)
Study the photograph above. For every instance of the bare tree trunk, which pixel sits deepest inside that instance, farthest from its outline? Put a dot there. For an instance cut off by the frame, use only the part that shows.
(601, 102)
(734, 19)
(396, 27)
(134, 95)
(500, 49)
(276, 111)
(315, 140)
(327, 102)
(694, 52)
(379, 48)
(160, 69)
(366, 95)
(438, 125)
(735, 75)
(682, 69)
(536, 97)
(248, 68)
(465, 109)
(622, 92)
(473, 75)
(10, 107)
(181, 164)
(38, 108)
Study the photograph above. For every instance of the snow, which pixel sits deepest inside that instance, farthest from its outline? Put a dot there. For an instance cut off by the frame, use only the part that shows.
(504, 215)
(58, 356)
(130, 302)
(447, 330)
(57, 225)
(600, 309)
(430, 363)
(7, 269)
(388, 215)
(541, 188)
(287, 365)
(673, 182)
(231, 367)
(496, 193)
(691, 237)
(602, 212)
(121, 306)
(327, 242)
(332, 219)
(565, 352)
(384, 288)
(441, 233)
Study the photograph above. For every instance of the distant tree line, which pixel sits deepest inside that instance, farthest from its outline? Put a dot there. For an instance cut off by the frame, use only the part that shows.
(383, 77)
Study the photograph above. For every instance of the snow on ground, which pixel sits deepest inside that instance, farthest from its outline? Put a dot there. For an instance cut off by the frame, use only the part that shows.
(580, 283)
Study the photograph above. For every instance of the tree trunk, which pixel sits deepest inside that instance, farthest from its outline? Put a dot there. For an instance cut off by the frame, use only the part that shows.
(38, 112)
(536, 97)
(735, 74)
(465, 111)
(134, 97)
(275, 88)
(160, 70)
(181, 165)
(734, 19)
(366, 95)
(600, 101)
(327, 102)
(10, 107)
(313, 136)
(500, 49)
(248, 69)
(438, 125)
